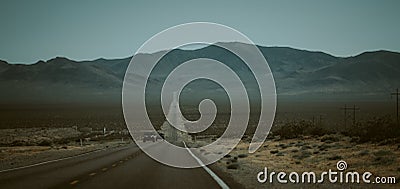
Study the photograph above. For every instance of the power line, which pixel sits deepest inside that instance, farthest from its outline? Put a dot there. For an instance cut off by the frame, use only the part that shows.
(345, 108)
(345, 115)
(319, 120)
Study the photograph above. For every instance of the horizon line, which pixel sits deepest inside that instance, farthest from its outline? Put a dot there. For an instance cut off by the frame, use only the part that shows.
(130, 56)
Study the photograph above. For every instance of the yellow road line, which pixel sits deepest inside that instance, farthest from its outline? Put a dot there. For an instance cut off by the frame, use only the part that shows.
(74, 182)
(92, 174)
(114, 165)
(104, 169)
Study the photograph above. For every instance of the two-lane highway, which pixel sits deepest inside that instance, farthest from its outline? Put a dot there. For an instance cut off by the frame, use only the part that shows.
(122, 167)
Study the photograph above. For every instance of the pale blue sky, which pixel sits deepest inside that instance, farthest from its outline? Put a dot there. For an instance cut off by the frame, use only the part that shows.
(85, 30)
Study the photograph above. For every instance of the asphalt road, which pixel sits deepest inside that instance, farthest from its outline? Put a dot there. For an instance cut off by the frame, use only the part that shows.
(122, 167)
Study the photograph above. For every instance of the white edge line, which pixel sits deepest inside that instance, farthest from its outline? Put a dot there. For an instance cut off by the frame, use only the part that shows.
(208, 170)
(55, 160)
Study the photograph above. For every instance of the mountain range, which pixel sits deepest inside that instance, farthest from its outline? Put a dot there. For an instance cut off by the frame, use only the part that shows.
(298, 74)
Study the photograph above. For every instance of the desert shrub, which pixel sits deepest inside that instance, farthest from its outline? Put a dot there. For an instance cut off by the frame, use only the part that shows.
(233, 166)
(291, 129)
(332, 138)
(304, 154)
(63, 141)
(227, 156)
(375, 130)
(363, 153)
(280, 154)
(45, 143)
(335, 157)
(383, 153)
(383, 160)
(295, 129)
(317, 130)
(274, 151)
(20, 143)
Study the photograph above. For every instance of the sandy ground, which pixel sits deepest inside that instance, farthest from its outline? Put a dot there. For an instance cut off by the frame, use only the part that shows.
(26, 146)
(312, 154)
(17, 156)
(36, 136)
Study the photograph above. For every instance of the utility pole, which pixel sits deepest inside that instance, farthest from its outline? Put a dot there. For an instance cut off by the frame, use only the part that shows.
(397, 104)
(354, 108)
(345, 115)
(313, 120)
(320, 120)
(354, 114)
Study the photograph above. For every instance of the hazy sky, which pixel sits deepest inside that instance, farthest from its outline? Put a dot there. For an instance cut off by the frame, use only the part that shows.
(84, 30)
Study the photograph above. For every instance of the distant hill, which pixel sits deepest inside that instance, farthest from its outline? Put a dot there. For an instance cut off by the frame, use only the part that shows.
(298, 74)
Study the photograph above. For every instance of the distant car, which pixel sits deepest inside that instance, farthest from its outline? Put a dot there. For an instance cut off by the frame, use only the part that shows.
(149, 136)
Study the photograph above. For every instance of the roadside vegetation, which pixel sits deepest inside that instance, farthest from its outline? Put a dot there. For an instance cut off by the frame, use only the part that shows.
(377, 129)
